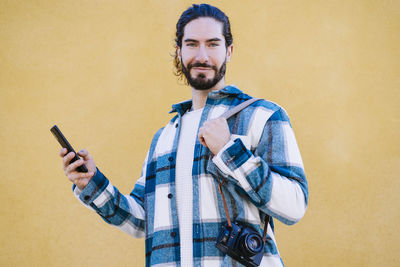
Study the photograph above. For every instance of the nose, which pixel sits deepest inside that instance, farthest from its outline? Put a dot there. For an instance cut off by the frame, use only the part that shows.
(202, 54)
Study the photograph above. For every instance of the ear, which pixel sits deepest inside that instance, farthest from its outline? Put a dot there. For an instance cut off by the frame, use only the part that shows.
(178, 52)
(229, 51)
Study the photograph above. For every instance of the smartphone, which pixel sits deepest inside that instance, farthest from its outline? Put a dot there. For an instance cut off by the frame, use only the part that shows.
(64, 143)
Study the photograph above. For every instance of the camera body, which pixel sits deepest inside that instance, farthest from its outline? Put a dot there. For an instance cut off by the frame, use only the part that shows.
(241, 243)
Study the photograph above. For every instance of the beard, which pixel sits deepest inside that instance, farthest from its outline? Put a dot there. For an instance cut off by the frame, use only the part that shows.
(201, 82)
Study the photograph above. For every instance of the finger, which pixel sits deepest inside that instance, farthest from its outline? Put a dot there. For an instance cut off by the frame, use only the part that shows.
(63, 151)
(88, 157)
(203, 130)
(202, 141)
(222, 120)
(71, 167)
(73, 177)
(68, 158)
(85, 154)
(207, 123)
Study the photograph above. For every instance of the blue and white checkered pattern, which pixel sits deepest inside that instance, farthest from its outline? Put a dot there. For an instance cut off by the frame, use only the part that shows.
(262, 172)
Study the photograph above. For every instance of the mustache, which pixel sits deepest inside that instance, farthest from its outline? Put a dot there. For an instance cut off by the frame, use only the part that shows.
(201, 65)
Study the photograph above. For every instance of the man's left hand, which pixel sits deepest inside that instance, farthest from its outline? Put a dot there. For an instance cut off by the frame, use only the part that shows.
(214, 134)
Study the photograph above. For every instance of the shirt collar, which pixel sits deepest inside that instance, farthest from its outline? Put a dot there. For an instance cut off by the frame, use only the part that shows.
(184, 106)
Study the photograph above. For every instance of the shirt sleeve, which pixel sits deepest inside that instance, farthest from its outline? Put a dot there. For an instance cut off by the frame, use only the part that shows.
(125, 212)
(272, 174)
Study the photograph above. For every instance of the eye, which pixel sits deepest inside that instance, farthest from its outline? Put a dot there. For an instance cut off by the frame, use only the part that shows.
(190, 44)
(214, 44)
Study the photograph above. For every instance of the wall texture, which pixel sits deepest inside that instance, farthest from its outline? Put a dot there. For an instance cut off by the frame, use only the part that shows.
(102, 71)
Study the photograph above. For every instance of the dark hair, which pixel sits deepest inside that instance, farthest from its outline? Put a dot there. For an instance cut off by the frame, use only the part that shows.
(194, 12)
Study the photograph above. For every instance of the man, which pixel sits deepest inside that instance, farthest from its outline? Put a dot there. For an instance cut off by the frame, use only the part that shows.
(176, 204)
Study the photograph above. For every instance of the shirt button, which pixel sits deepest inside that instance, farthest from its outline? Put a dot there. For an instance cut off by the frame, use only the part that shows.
(86, 198)
(173, 234)
(176, 125)
(171, 159)
(170, 195)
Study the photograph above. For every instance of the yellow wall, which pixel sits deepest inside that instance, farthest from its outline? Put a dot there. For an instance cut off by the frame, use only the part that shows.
(101, 70)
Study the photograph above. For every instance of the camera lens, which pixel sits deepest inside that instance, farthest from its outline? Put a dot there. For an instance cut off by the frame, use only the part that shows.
(251, 244)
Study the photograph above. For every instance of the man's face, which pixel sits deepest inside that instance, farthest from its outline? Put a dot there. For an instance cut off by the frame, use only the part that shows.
(204, 54)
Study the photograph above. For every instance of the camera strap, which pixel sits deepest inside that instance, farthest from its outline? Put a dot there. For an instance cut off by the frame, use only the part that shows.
(227, 115)
(228, 217)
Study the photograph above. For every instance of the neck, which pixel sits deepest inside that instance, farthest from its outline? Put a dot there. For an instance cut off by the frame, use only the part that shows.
(199, 97)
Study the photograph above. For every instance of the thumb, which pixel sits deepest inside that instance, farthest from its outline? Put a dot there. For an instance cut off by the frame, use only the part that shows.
(202, 140)
(85, 154)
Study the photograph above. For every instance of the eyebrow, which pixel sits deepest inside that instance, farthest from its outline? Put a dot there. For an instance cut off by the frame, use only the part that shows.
(208, 41)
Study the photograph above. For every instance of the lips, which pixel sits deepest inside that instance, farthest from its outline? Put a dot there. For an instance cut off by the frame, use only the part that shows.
(202, 68)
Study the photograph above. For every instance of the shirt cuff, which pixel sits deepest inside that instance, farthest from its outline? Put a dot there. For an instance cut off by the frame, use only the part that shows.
(232, 156)
(93, 189)
(76, 190)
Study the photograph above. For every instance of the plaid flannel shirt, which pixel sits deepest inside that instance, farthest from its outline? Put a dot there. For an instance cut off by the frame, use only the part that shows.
(262, 172)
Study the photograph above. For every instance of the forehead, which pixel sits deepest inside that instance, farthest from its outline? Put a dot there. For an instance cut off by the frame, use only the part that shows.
(203, 29)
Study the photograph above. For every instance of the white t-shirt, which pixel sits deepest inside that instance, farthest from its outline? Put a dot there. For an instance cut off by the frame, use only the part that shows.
(183, 182)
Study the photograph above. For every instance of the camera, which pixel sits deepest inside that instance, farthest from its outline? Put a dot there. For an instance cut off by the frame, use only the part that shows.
(241, 243)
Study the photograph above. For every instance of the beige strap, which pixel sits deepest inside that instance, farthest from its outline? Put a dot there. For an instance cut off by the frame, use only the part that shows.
(228, 217)
(266, 222)
(229, 113)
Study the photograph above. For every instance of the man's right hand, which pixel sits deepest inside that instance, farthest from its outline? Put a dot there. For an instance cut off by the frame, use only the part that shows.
(80, 179)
